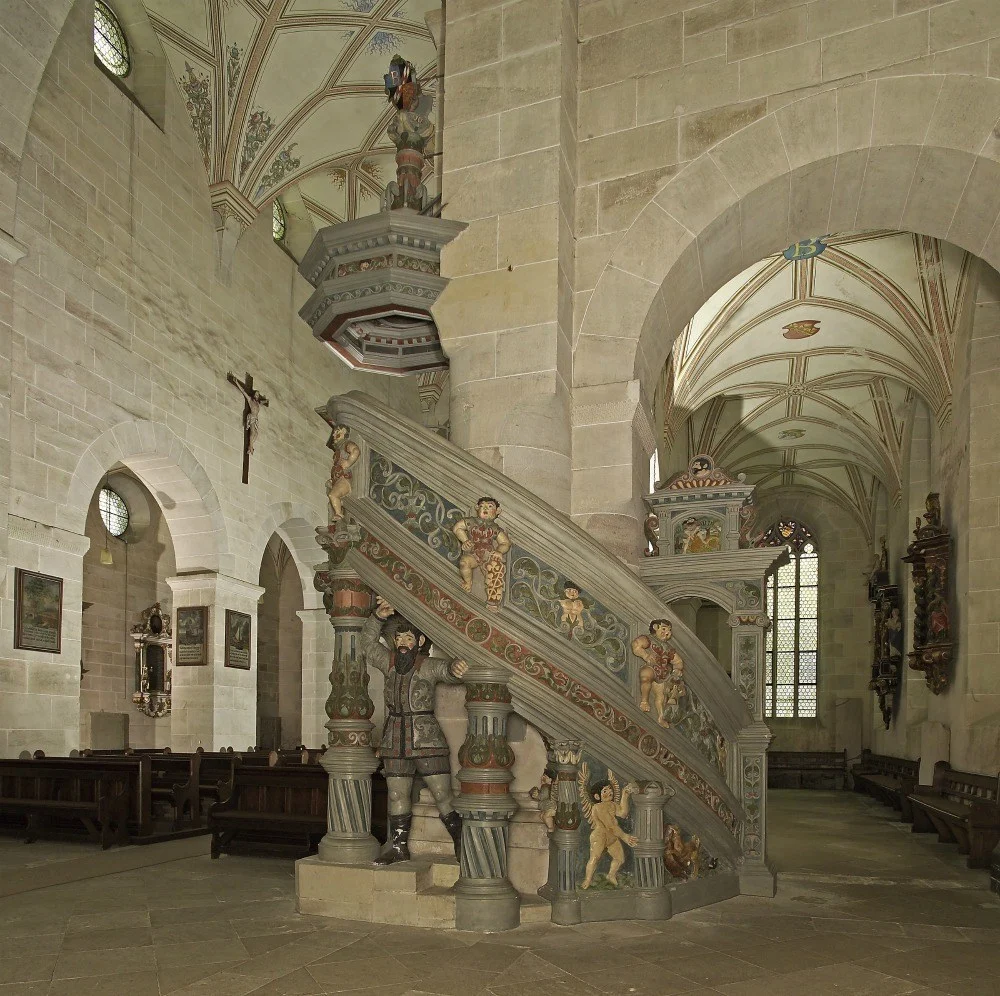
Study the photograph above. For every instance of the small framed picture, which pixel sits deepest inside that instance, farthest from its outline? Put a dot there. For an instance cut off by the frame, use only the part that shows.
(237, 639)
(37, 611)
(191, 635)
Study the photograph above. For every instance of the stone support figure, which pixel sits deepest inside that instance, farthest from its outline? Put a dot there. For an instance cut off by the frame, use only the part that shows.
(412, 739)
(662, 673)
(345, 456)
(564, 759)
(484, 548)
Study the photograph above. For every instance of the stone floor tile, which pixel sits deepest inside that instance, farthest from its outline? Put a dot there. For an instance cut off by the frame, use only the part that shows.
(24, 989)
(297, 983)
(128, 984)
(113, 961)
(639, 980)
(715, 971)
(178, 976)
(366, 973)
(826, 980)
(27, 968)
(107, 937)
(199, 952)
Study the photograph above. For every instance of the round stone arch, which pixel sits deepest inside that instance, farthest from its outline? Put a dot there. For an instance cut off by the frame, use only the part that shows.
(918, 153)
(295, 524)
(178, 482)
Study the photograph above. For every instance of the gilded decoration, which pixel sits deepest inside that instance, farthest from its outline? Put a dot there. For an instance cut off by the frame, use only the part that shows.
(562, 605)
(507, 650)
(930, 557)
(484, 547)
(199, 107)
(607, 807)
(701, 473)
(426, 515)
(698, 534)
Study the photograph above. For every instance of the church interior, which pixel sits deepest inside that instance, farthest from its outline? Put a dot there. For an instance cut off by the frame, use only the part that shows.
(481, 478)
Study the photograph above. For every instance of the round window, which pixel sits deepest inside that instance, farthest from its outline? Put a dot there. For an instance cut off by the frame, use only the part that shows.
(114, 511)
(110, 45)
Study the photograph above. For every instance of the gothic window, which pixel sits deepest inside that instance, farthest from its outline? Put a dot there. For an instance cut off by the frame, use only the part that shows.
(110, 45)
(114, 511)
(278, 222)
(792, 646)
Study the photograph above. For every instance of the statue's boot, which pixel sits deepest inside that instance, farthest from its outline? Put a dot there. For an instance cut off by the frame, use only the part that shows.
(453, 824)
(399, 836)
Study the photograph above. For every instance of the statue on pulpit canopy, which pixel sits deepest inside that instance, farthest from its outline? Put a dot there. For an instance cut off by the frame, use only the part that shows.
(412, 739)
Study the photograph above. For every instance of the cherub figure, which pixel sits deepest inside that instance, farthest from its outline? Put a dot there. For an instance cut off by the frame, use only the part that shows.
(681, 859)
(604, 804)
(345, 457)
(572, 608)
(662, 673)
(484, 546)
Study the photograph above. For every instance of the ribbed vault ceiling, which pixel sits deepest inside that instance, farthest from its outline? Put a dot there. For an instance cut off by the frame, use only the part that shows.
(802, 373)
(286, 96)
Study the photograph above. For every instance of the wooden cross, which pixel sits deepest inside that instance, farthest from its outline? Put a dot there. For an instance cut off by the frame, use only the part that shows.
(252, 401)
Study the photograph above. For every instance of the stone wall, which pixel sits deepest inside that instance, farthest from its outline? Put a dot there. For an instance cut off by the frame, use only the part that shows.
(115, 340)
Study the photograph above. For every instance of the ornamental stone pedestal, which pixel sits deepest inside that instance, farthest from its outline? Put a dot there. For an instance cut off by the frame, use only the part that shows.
(757, 877)
(350, 756)
(484, 897)
(653, 898)
(565, 840)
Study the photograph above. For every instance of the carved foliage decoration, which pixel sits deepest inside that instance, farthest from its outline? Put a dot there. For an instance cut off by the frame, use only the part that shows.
(746, 670)
(752, 796)
(427, 515)
(930, 557)
(540, 591)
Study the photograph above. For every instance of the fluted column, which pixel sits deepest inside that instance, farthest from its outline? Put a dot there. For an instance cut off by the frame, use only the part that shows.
(653, 899)
(350, 756)
(484, 897)
(565, 840)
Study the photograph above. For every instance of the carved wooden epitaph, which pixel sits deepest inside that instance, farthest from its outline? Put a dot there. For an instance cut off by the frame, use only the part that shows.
(930, 556)
(887, 636)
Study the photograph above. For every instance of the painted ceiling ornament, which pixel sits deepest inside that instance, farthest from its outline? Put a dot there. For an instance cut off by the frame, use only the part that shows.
(806, 249)
(791, 433)
(801, 329)
(411, 132)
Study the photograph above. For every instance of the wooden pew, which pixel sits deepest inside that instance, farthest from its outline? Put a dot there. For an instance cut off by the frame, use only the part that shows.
(888, 779)
(109, 798)
(963, 808)
(282, 808)
(808, 769)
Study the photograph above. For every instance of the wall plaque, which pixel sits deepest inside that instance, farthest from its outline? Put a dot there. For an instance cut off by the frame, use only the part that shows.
(191, 641)
(37, 612)
(237, 639)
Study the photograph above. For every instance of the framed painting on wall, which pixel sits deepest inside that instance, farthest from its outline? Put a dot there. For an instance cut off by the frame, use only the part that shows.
(237, 639)
(192, 635)
(37, 612)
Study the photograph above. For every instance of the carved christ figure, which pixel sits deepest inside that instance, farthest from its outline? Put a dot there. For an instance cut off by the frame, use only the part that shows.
(253, 400)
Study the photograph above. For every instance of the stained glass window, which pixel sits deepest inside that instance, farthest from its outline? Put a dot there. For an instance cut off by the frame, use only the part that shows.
(792, 642)
(114, 511)
(110, 45)
(278, 222)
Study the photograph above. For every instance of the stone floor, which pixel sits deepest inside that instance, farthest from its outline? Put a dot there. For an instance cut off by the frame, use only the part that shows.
(863, 907)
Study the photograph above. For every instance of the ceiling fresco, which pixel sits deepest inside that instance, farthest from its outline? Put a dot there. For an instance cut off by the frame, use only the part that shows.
(286, 97)
(802, 371)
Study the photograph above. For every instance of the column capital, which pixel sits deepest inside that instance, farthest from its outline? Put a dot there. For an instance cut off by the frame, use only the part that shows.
(220, 584)
(754, 738)
(759, 620)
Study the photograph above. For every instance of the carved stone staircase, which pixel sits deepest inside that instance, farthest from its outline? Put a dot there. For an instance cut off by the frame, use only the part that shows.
(409, 487)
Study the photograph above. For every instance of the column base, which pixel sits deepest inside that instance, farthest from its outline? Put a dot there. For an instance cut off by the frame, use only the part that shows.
(758, 879)
(348, 850)
(566, 909)
(487, 905)
(653, 905)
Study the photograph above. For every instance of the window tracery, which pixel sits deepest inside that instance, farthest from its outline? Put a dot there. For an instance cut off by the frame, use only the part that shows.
(114, 511)
(110, 44)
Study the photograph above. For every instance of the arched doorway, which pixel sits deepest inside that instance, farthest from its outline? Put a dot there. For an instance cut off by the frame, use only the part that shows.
(279, 650)
(130, 557)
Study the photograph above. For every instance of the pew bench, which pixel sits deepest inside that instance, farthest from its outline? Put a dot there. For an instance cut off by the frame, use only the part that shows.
(963, 808)
(888, 779)
(48, 798)
(807, 769)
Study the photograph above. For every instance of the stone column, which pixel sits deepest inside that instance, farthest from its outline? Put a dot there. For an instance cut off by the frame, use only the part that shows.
(349, 761)
(756, 874)
(565, 840)
(214, 706)
(653, 899)
(484, 897)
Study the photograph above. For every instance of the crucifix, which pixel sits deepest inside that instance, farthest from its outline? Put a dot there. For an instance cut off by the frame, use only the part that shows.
(252, 400)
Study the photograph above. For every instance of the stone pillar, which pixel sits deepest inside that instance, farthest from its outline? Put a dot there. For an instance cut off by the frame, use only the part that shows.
(215, 706)
(484, 897)
(748, 659)
(40, 690)
(349, 761)
(756, 874)
(653, 899)
(565, 841)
